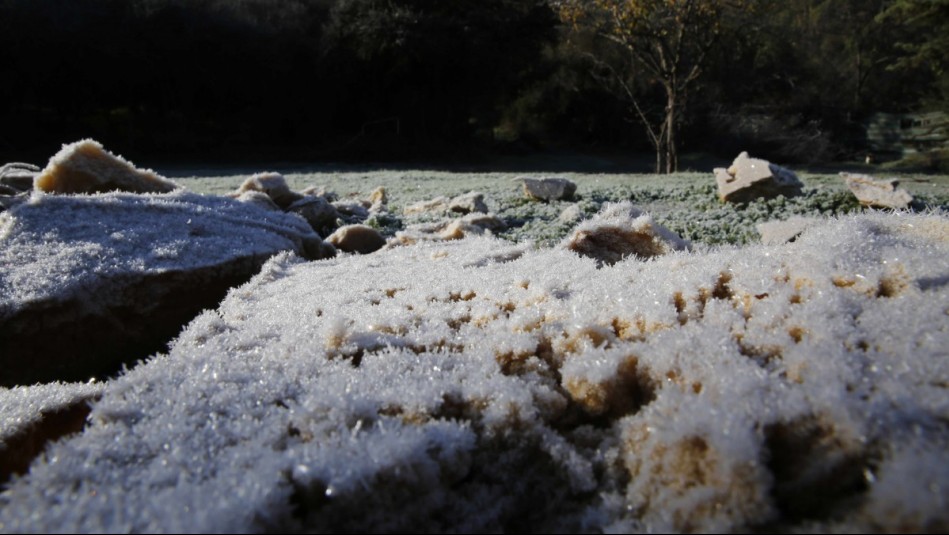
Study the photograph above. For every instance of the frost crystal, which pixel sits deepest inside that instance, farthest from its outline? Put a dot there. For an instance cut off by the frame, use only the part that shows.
(474, 385)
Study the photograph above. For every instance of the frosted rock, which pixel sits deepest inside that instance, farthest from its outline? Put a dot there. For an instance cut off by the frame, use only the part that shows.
(549, 189)
(8, 191)
(459, 229)
(778, 232)
(463, 204)
(480, 386)
(620, 231)
(878, 193)
(468, 203)
(378, 200)
(352, 211)
(486, 221)
(258, 198)
(320, 191)
(85, 167)
(438, 204)
(90, 282)
(274, 185)
(315, 248)
(320, 214)
(751, 178)
(571, 214)
(474, 224)
(18, 176)
(360, 239)
(35, 415)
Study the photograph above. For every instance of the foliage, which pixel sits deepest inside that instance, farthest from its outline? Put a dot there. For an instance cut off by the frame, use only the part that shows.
(403, 79)
(923, 43)
(667, 40)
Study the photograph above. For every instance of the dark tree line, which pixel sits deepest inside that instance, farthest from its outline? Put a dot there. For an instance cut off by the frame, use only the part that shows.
(391, 79)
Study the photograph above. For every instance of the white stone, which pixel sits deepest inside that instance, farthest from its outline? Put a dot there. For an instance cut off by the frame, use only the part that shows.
(877, 193)
(468, 203)
(751, 178)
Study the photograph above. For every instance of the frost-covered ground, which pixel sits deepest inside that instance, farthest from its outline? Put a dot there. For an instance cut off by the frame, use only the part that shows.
(686, 203)
(512, 384)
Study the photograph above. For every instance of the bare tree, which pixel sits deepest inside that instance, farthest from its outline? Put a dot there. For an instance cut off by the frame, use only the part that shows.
(666, 40)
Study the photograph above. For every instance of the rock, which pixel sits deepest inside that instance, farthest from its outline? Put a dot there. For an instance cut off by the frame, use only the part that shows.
(258, 198)
(320, 191)
(34, 416)
(378, 200)
(352, 212)
(549, 189)
(438, 204)
(475, 224)
(18, 176)
(460, 229)
(468, 203)
(878, 193)
(779, 232)
(570, 214)
(751, 178)
(8, 191)
(620, 231)
(360, 239)
(320, 214)
(486, 221)
(315, 248)
(274, 185)
(90, 283)
(462, 204)
(85, 167)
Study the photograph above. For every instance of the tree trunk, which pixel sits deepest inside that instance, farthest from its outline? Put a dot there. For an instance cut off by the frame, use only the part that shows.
(671, 152)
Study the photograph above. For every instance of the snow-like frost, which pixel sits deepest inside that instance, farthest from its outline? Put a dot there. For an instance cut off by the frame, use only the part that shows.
(54, 246)
(475, 385)
(24, 406)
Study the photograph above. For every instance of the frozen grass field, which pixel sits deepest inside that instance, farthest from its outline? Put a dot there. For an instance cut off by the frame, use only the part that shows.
(686, 203)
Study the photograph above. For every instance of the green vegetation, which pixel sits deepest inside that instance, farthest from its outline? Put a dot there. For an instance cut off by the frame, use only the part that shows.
(686, 203)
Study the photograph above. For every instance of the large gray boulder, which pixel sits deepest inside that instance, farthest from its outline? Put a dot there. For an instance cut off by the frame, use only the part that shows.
(749, 179)
(90, 283)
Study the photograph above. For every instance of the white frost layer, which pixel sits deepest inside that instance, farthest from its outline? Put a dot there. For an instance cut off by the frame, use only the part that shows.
(55, 246)
(480, 386)
(23, 406)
